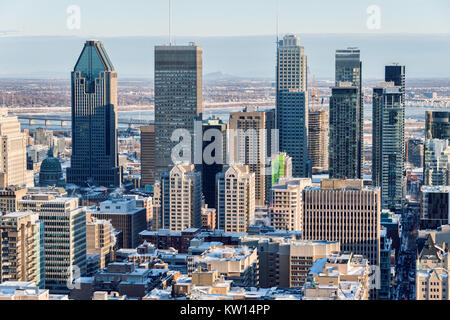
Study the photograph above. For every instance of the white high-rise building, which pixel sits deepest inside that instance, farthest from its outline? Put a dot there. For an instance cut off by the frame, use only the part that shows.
(235, 198)
(64, 239)
(13, 154)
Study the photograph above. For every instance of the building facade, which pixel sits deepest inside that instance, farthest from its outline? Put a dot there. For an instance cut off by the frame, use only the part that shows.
(148, 156)
(181, 198)
(64, 239)
(286, 204)
(318, 139)
(347, 212)
(22, 248)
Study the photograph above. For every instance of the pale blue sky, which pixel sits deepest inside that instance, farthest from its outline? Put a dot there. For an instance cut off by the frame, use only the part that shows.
(221, 17)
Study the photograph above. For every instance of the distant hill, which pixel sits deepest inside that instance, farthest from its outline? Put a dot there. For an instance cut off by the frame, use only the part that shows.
(425, 56)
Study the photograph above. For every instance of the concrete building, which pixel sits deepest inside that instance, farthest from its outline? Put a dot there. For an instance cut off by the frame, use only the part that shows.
(22, 248)
(9, 198)
(435, 207)
(250, 143)
(284, 262)
(340, 277)
(209, 218)
(26, 291)
(388, 144)
(235, 199)
(13, 156)
(239, 264)
(95, 157)
(124, 216)
(64, 239)
(178, 97)
(148, 156)
(345, 211)
(100, 240)
(318, 139)
(180, 198)
(349, 69)
(286, 204)
(432, 272)
(165, 239)
(345, 144)
(122, 277)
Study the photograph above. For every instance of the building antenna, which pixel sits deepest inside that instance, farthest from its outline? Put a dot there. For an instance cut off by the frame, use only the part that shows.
(170, 22)
(278, 22)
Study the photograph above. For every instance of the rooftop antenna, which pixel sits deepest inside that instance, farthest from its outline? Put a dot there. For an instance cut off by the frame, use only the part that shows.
(278, 22)
(170, 23)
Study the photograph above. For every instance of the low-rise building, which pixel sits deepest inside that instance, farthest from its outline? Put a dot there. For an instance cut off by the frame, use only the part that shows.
(339, 277)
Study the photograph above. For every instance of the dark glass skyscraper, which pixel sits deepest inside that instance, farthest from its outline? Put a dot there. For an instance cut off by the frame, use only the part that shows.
(397, 74)
(178, 97)
(94, 119)
(349, 69)
(344, 132)
(211, 130)
(388, 144)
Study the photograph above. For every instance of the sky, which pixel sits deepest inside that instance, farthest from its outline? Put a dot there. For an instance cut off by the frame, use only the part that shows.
(206, 18)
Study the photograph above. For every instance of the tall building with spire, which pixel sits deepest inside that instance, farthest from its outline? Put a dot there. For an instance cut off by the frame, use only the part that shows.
(178, 98)
(94, 119)
(292, 104)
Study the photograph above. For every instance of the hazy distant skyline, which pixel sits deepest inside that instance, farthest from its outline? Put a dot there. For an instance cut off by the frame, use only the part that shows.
(425, 56)
(101, 18)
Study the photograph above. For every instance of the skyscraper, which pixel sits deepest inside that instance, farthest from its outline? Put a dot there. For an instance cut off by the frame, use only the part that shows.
(250, 144)
(388, 144)
(235, 199)
(13, 155)
(318, 139)
(344, 159)
(215, 134)
(94, 119)
(349, 69)
(292, 118)
(292, 104)
(148, 156)
(178, 97)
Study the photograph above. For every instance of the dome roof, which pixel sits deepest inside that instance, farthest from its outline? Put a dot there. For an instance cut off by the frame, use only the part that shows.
(51, 165)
